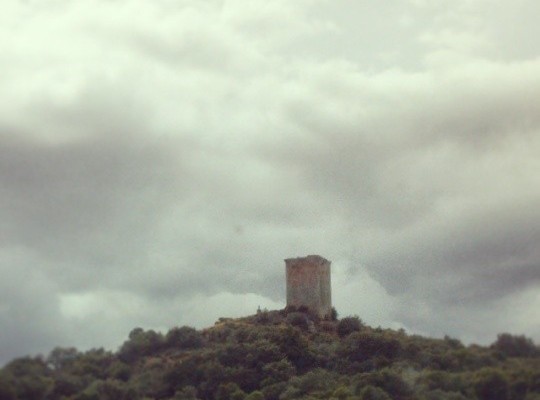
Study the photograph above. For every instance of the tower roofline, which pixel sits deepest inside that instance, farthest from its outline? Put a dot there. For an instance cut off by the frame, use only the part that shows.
(311, 258)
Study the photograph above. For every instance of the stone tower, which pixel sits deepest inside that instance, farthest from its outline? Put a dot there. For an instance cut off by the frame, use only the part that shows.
(308, 284)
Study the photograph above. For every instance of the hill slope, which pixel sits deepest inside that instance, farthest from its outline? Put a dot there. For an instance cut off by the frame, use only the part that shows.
(281, 355)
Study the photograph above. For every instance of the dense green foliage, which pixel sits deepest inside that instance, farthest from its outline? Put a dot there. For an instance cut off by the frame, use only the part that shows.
(281, 355)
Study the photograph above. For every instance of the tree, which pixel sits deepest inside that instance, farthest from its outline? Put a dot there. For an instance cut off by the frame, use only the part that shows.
(30, 377)
(93, 364)
(318, 381)
(361, 346)
(514, 346)
(229, 391)
(387, 379)
(188, 371)
(7, 388)
(373, 393)
(443, 380)
(62, 357)
(342, 393)
(490, 384)
(277, 371)
(295, 347)
(274, 392)
(256, 395)
(113, 390)
(65, 385)
(186, 393)
(140, 343)
(442, 395)
(184, 337)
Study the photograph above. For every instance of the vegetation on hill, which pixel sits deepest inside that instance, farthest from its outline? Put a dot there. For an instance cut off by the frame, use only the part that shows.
(281, 355)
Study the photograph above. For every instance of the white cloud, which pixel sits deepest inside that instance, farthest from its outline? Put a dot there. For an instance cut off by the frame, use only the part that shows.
(204, 311)
(360, 294)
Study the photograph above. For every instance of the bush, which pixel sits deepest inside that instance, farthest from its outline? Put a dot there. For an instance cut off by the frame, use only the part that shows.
(442, 395)
(27, 378)
(273, 392)
(7, 389)
(295, 347)
(361, 346)
(514, 346)
(277, 371)
(373, 393)
(386, 379)
(298, 319)
(184, 337)
(61, 357)
(316, 380)
(229, 391)
(140, 343)
(490, 384)
(442, 380)
(327, 326)
(534, 382)
(349, 325)
(186, 393)
(256, 395)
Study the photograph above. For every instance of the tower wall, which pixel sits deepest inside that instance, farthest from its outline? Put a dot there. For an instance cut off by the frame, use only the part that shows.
(308, 284)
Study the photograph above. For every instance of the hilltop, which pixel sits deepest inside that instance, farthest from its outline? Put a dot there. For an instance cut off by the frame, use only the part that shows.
(281, 355)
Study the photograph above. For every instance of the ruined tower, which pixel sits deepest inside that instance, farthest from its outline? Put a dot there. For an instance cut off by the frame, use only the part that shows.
(308, 284)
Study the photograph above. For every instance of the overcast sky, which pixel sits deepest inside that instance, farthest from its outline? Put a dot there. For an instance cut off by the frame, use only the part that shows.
(159, 160)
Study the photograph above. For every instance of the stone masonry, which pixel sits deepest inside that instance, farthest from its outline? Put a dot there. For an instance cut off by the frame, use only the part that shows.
(308, 284)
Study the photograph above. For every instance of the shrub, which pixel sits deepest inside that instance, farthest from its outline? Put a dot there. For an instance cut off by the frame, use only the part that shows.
(256, 395)
(490, 384)
(229, 391)
(442, 395)
(184, 337)
(273, 392)
(361, 346)
(348, 325)
(514, 346)
(298, 319)
(373, 393)
(140, 343)
(327, 326)
(186, 393)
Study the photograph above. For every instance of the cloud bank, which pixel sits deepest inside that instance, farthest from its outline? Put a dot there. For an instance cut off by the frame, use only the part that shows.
(159, 160)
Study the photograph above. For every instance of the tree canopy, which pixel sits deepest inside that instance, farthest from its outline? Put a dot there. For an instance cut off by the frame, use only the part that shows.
(281, 355)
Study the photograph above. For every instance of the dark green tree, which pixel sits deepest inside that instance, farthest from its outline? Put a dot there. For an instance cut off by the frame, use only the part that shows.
(298, 319)
(490, 384)
(348, 325)
(62, 357)
(184, 337)
(373, 393)
(30, 377)
(514, 346)
(140, 343)
(7, 388)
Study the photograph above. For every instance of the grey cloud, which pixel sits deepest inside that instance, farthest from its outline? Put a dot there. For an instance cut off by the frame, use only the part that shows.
(28, 306)
(169, 164)
(456, 223)
(68, 201)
